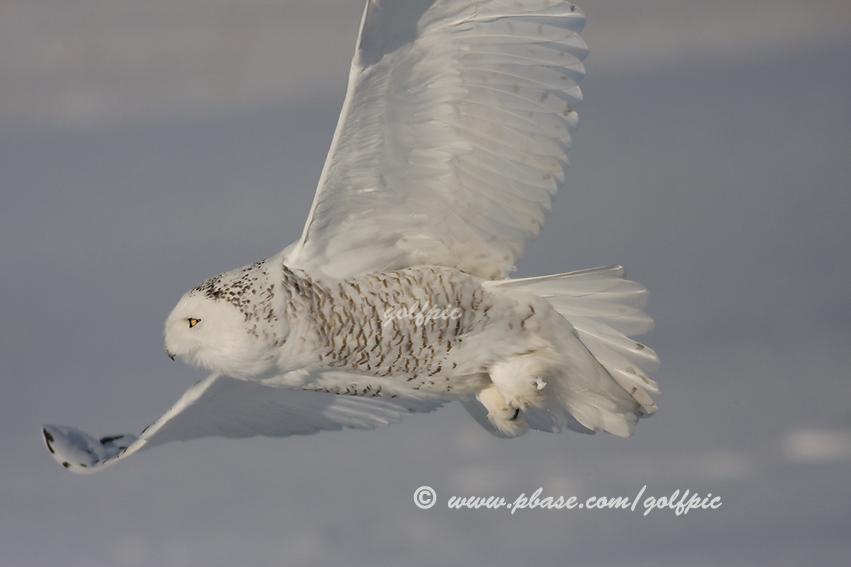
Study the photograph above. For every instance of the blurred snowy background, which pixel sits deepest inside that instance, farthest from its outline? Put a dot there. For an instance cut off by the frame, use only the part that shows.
(148, 145)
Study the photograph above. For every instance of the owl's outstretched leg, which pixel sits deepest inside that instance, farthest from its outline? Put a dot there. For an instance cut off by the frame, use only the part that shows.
(517, 383)
(506, 417)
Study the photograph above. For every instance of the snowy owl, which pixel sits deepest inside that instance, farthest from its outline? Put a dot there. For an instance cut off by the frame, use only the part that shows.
(396, 299)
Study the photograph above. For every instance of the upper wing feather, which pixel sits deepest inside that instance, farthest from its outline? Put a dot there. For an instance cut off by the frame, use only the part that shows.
(452, 140)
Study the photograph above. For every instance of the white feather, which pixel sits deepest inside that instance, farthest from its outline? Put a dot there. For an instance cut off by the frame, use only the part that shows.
(604, 309)
(452, 140)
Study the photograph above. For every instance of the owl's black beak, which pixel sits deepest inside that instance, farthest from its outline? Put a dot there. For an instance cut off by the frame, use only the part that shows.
(170, 355)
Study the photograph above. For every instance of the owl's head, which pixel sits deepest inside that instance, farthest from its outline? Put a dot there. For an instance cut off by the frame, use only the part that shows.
(209, 330)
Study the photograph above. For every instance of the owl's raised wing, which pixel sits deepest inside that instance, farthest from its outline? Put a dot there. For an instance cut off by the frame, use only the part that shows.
(452, 140)
(219, 406)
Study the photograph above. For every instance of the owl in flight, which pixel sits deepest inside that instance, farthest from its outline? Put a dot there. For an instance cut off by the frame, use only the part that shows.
(448, 152)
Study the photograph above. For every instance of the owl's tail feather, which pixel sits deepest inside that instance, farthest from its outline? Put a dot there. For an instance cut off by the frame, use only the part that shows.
(593, 376)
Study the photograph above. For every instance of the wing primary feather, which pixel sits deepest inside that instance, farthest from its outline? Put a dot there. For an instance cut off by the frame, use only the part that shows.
(465, 104)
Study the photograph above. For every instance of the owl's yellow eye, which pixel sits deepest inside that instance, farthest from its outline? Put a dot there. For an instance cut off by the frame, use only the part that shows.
(193, 322)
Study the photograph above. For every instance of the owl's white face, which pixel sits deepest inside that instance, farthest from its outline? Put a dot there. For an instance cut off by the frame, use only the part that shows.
(212, 333)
